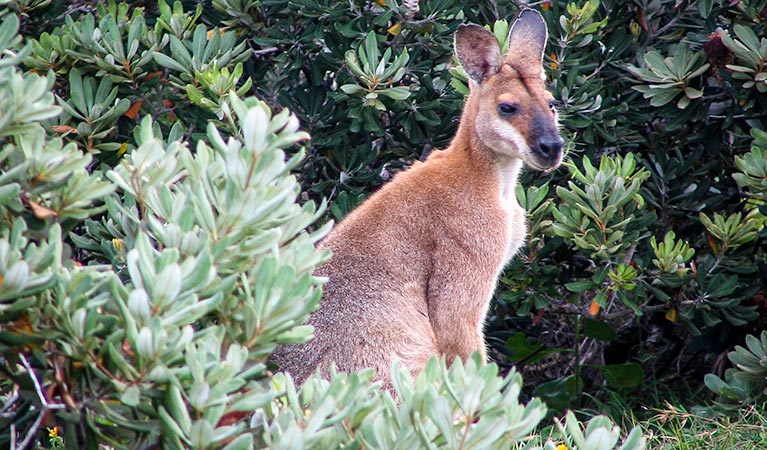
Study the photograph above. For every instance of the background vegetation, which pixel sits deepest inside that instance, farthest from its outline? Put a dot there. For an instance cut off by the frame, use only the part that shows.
(153, 251)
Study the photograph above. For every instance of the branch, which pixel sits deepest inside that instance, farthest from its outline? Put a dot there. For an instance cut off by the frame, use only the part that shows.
(265, 51)
(45, 407)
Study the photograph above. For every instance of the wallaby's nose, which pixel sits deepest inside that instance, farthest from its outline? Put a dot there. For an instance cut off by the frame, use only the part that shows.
(550, 147)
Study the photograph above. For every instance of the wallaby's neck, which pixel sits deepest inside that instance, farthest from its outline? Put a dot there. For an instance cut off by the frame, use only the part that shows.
(468, 146)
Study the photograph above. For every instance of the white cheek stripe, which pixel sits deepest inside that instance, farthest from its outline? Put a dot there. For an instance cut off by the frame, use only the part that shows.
(508, 133)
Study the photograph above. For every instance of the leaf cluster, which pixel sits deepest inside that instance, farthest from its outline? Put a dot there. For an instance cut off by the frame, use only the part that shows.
(647, 264)
(148, 270)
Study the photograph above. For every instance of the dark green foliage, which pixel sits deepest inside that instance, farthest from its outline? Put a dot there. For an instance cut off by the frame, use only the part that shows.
(655, 91)
(646, 259)
(747, 381)
(649, 243)
(153, 252)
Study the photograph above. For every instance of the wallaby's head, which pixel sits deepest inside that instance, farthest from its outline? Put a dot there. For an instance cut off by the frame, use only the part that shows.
(515, 113)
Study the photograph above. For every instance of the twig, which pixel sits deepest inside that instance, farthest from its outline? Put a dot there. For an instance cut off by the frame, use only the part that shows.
(45, 407)
(741, 116)
(31, 433)
(10, 403)
(265, 51)
(629, 254)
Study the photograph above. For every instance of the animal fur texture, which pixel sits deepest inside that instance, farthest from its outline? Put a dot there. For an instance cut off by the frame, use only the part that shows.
(414, 267)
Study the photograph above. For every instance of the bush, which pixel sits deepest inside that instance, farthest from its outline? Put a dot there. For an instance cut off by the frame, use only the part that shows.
(645, 261)
(149, 267)
(648, 248)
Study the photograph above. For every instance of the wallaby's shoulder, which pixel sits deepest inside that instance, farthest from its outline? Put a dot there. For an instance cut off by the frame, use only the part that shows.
(419, 183)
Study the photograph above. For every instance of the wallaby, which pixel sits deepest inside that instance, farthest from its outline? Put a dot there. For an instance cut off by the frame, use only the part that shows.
(414, 267)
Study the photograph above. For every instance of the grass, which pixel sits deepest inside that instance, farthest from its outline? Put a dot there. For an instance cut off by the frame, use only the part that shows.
(673, 423)
(677, 428)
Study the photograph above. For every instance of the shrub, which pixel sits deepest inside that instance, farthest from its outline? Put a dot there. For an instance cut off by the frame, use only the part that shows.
(645, 261)
(746, 382)
(146, 276)
(647, 249)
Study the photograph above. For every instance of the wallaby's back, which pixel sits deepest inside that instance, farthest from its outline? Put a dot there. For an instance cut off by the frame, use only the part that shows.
(414, 267)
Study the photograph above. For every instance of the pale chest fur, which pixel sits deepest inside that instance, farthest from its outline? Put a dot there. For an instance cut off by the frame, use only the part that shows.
(516, 223)
(516, 226)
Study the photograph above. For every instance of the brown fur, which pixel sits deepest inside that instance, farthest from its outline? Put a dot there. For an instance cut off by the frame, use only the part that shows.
(414, 267)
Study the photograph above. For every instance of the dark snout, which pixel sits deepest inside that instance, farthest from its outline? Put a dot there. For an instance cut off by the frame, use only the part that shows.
(548, 151)
(545, 142)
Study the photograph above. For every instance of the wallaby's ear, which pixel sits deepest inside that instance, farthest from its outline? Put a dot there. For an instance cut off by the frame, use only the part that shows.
(478, 51)
(527, 37)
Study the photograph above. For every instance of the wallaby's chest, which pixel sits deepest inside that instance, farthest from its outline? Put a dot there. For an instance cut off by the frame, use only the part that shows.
(516, 216)
(516, 228)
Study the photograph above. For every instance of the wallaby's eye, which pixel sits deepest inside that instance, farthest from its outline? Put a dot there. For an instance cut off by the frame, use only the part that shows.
(508, 109)
(553, 106)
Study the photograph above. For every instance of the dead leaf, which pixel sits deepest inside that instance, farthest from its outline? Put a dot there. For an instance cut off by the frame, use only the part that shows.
(64, 129)
(132, 112)
(395, 29)
(671, 314)
(152, 75)
(40, 211)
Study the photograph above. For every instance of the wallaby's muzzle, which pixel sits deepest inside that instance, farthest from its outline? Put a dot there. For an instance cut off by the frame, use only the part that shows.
(547, 151)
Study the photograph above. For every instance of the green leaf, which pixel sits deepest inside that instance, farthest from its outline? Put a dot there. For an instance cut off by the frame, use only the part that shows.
(395, 93)
(721, 286)
(692, 92)
(558, 394)
(748, 37)
(131, 396)
(523, 350)
(353, 89)
(599, 329)
(663, 98)
(371, 51)
(168, 62)
(622, 375)
(635, 440)
(580, 286)
(243, 442)
(704, 7)
(77, 90)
